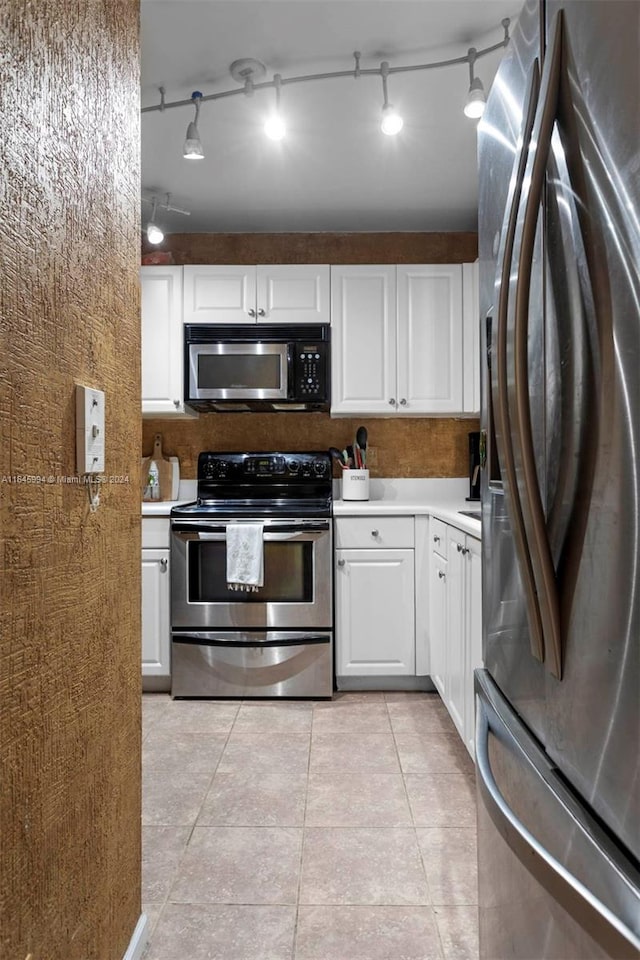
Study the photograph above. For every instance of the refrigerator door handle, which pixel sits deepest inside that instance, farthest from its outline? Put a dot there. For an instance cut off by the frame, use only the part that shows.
(499, 372)
(593, 915)
(544, 574)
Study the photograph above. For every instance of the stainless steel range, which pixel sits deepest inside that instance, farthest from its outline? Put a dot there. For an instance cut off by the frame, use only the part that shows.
(275, 640)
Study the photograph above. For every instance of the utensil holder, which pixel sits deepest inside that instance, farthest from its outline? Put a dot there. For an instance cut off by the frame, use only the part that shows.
(355, 484)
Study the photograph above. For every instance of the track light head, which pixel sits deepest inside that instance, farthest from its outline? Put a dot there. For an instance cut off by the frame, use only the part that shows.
(193, 149)
(391, 122)
(476, 100)
(154, 233)
(275, 127)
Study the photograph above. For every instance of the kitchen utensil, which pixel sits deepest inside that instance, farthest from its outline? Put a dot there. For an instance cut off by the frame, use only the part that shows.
(361, 440)
(164, 470)
(351, 457)
(339, 457)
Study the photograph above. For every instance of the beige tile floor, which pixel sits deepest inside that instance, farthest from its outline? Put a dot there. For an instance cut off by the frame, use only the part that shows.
(308, 831)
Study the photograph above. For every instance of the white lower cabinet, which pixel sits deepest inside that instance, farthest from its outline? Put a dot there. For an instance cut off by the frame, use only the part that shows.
(455, 604)
(375, 597)
(156, 626)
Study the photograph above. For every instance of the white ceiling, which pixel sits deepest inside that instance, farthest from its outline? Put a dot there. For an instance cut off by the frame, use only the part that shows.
(335, 171)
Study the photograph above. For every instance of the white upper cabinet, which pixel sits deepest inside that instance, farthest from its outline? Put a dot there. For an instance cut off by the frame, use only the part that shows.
(471, 337)
(363, 339)
(429, 338)
(398, 340)
(296, 293)
(162, 342)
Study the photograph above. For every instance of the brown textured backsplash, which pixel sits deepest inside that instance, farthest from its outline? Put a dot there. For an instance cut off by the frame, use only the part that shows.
(70, 641)
(319, 247)
(398, 447)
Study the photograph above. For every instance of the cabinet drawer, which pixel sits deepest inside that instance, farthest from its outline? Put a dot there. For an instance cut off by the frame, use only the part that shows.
(383, 532)
(155, 532)
(438, 536)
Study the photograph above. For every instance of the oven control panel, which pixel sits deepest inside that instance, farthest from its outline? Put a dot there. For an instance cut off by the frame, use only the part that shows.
(264, 467)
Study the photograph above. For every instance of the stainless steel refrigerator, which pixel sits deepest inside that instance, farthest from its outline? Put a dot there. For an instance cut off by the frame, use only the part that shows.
(558, 699)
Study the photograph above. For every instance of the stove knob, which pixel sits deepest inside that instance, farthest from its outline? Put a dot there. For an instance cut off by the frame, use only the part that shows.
(293, 466)
(208, 470)
(319, 467)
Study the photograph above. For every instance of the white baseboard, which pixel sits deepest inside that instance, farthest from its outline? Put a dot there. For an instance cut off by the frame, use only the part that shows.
(139, 939)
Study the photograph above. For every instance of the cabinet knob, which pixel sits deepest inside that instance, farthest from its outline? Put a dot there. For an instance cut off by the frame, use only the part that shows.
(459, 547)
(392, 402)
(251, 312)
(465, 551)
(341, 563)
(442, 575)
(261, 312)
(164, 564)
(436, 538)
(176, 404)
(403, 402)
(375, 533)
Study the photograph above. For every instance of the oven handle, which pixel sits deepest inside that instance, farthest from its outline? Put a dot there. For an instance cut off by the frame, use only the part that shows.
(221, 641)
(300, 531)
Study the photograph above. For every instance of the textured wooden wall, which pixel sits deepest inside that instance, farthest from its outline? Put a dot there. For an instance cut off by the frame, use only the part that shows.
(70, 634)
(319, 247)
(398, 448)
(401, 448)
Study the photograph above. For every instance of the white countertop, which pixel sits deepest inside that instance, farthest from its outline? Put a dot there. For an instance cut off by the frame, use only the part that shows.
(442, 498)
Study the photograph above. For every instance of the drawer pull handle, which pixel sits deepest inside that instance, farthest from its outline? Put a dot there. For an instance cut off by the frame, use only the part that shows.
(375, 533)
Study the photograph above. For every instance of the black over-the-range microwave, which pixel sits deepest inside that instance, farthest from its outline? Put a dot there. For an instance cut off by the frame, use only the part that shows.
(268, 367)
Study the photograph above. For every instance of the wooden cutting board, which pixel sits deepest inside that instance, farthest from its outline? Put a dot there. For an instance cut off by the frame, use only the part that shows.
(165, 471)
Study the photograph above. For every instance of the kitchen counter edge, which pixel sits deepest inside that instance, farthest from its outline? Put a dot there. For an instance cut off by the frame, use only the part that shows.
(447, 511)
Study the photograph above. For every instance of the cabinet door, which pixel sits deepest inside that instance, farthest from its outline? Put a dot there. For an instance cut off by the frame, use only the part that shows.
(429, 338)
(156, 636)
(297, 293)
(438, 623)
(363, 339)
(455, 685)
(473, 633)
(219, 294)
(375, 621)
(162, 346)
(471, 338)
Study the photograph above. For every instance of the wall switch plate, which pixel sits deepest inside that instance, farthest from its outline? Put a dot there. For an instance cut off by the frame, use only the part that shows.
(89, 430)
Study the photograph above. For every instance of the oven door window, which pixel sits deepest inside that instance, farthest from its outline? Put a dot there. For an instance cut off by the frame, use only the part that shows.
(288, 574)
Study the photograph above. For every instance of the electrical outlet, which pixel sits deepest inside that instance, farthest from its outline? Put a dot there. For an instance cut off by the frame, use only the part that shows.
(89, 430)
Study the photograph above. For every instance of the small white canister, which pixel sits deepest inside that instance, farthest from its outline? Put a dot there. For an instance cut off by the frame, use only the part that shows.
(355, 484)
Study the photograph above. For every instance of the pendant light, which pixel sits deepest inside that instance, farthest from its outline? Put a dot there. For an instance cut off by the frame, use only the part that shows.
(476, 100)
(391, 122)
(193, 149)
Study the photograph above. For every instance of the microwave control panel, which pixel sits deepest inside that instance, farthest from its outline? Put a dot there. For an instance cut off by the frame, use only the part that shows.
(310, 370)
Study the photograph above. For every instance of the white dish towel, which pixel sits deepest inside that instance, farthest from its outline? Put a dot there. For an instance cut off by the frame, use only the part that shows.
(245, 556)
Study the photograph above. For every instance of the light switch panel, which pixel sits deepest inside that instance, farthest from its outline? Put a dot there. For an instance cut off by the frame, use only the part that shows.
(89, 430)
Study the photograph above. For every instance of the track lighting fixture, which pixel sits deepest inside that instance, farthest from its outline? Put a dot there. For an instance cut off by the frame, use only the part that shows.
(275, 127)
(476, 100)
(250, 74)
(193, 149)
(154, 233)
(391, 122)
